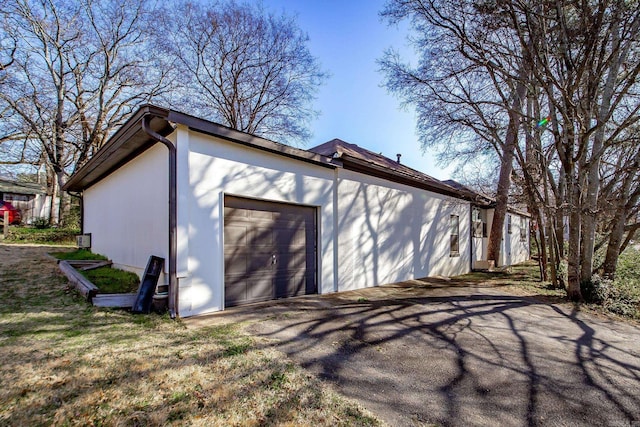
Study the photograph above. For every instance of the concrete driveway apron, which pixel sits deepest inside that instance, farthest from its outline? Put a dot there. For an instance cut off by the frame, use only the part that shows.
(428, 352)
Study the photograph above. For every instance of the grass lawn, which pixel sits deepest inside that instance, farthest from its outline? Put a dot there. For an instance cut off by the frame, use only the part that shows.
(65, 363)
(47, 236)
(109, 280)
(112, 280)
(79, 254)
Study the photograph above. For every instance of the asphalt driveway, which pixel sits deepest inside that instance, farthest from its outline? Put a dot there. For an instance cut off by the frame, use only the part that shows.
(429, 352)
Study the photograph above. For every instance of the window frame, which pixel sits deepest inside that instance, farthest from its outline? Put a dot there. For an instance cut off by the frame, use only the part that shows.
(523, 229)
(454, 238)
(478, 223)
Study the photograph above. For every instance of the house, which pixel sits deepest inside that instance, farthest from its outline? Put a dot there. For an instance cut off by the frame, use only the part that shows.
(241, 219)
(29, 198)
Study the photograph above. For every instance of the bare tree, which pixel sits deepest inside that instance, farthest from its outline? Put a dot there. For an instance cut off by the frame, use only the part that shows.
(470, 85)
(583, 60)
(79, 70)
(587, 63)
(244, 67)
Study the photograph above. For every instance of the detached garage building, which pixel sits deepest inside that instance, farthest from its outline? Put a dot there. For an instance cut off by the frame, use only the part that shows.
(241, 219)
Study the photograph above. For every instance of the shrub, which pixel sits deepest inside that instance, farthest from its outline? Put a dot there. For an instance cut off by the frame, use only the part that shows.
(597, 290)
(622, 295)
(562, 274)
(40, 223)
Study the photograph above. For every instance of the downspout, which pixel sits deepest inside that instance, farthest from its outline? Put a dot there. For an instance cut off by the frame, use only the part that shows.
(173, 214)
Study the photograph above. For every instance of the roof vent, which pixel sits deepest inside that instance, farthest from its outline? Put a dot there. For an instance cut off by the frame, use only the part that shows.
(399, 155)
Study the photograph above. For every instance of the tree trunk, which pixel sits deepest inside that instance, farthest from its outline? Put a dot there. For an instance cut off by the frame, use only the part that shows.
(504, 181)
(593, 174)
(554, 259)
(615, 242)
(62, 198)
(575, 218)
(542, 249)
(630, 235)
(560, 215)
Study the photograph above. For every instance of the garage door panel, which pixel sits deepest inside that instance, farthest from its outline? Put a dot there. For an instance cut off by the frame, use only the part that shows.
(291, 261)
(288, 237)
(261, 215)
(260, 289)
(235, 290)
(235, 235)
(260, 237)
(260, 262)
(257, 233)
(235, 213)
(290, 285)
(238, 265)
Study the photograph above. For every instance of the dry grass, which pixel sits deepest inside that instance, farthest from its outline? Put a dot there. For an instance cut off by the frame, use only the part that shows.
(65, 363)
(524, 279)
(521, 279)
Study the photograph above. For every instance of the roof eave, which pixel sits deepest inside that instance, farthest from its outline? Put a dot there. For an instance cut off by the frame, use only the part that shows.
(357, 165)
(128, 142)
(223, 132)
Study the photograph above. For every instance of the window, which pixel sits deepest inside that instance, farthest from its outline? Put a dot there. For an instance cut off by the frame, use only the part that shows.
(508, 224)
(479, 222)
(523, 229)
(8, 197)
(454, 242)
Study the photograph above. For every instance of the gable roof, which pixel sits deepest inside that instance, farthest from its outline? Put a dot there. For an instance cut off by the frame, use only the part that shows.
(130, 140)
(14, 187)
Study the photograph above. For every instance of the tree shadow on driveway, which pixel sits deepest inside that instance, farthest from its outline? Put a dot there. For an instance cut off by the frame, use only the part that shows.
(476, 356)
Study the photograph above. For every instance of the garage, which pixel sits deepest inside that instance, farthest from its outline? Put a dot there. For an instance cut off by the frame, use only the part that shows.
(269, 250)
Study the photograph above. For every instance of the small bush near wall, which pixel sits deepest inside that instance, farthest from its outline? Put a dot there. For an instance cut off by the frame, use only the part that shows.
(40, 223)
(47, 236)
(622, 295)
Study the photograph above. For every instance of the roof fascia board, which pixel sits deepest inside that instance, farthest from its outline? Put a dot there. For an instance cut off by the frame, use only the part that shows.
(83, 179)
(87, 175)
(212, 129)
(357, 165)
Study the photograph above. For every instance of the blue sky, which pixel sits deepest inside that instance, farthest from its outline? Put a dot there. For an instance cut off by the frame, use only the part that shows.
(347, 36)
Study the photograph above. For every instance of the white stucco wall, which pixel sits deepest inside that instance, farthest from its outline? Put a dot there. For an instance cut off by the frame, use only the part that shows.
(216, 168)
(512, 250)
(390, 232)
(480, 253)
(370, 231)
(516, 250)
(127, 212)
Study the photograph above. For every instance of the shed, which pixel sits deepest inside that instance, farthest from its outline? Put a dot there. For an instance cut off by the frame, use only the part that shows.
(29, 198)
(241, 219)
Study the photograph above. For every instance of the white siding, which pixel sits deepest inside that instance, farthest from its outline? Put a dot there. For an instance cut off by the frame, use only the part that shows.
(512, 250)
(518, 249)
(391, 232)
(127, 212)
(217, 168)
